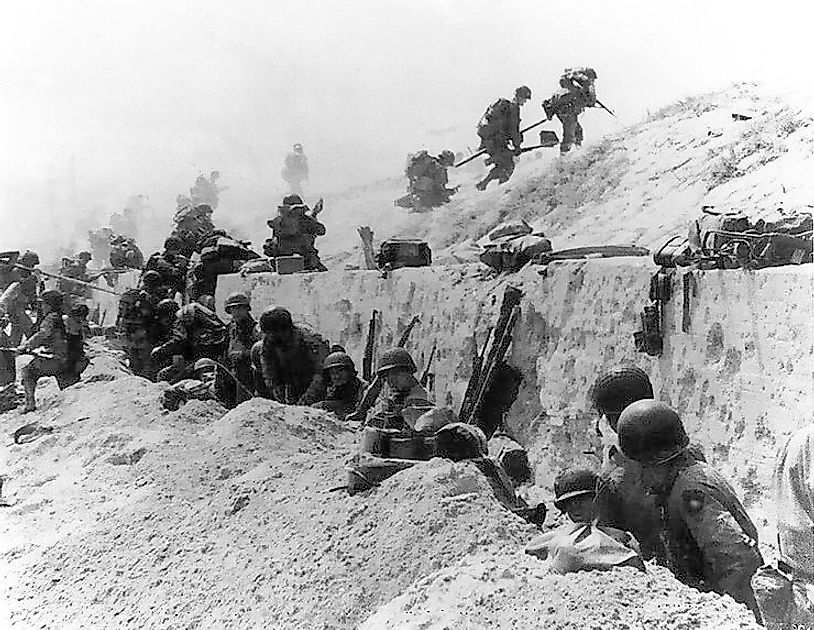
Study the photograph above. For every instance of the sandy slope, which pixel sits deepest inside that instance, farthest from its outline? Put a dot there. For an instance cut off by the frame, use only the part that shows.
(633, 187)
(129, 517)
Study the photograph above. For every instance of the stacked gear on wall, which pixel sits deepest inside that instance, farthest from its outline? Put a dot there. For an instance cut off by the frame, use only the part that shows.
(396, 253)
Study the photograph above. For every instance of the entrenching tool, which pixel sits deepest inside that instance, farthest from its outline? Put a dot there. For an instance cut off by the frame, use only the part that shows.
(483, 151)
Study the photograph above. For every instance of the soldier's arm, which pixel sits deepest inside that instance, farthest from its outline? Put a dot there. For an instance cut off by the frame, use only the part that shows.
(730, 557)
(43, 336)
(318, 348)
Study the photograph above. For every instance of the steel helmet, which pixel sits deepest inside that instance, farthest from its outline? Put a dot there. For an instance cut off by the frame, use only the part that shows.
(447, 157)
(523, 92)
(173, 244)
(85, 255)
(617, 388)
(276, 318)
(205, 364)
(52, 298)
(292, 200)
(396, 358)
(29, 259)
(298, 147)
(338, 360)
(166, 307)
(651, 433)
(572, 483)
(151, 277)
(236, 299)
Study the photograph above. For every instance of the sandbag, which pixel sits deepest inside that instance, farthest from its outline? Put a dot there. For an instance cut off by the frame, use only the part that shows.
(586, 546)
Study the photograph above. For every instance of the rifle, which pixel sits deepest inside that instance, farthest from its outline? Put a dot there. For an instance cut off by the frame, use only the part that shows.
(477, 366)
(598, 102)
(317, 208)
(500, 352)
(57, 276)
(35, 352)
(374, 389)
(482, 151)
(425, 374)
(479, 381)
(367, 360)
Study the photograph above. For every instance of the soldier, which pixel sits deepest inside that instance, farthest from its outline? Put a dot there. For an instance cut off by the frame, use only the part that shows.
(294, 232)
(709, 541)
(291, 359)
(198, 333)
(295, 171)
(498, 128)
(135, 322)
(171, 266)
(192, 225)
(405, 399)
(125, 254)
(427, 177)
(202, 386)
(19, 296)
(623, 501)
(49, 346)
(206, 191)
(345, 388)
(76, 331)
(242, 334)
(578, 92)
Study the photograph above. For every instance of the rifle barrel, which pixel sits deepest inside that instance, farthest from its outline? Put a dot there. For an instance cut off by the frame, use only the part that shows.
(57, 276)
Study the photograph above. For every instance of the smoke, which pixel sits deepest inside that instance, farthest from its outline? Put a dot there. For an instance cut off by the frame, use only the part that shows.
(105, 101)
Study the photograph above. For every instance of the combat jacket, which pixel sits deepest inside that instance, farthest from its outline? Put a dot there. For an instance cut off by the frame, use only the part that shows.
(198, 332)
(292, 370)
(710, 541)
(345, 399)
(398, 409)
(50, 336)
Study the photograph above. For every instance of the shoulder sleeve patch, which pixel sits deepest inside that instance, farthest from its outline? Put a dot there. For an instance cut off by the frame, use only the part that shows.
(693, 500)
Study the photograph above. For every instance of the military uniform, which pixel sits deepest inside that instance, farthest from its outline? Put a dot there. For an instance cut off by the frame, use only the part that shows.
(172, 267)
(135, 324)
(51, 339)
(577, 93)
(198, 332)
(292, 370)
(710, 541)
(396, 408)
(428, 180)
(76, 331)
(295, 232)
(344, 399)
(241, 336)
(295, 170)
(496, 136)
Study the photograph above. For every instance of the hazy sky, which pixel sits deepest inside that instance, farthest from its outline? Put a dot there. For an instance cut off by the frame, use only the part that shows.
(105, 99)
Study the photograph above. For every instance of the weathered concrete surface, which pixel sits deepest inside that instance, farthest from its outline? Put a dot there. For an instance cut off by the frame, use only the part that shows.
(741, 376)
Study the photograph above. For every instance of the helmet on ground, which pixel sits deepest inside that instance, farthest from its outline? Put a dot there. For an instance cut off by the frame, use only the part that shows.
(85, 256)
(166, 307)
(173, 244)
(338, 360)
(572, 483)
(617, 388)
(292, 200)
(151, 277)
(29, 259)
(523, 92)
(651, 433)
(396, 358)
(235, 300)
(52, 298)
(204, 364)
(276, 318)
(447, 158)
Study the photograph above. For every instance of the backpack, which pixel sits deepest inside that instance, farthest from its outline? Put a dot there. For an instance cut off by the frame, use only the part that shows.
(580, 76)
(404, 252)
(494, 118)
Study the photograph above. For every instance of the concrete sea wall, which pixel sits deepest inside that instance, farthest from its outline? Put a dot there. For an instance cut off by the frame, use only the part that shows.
(741, 376)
